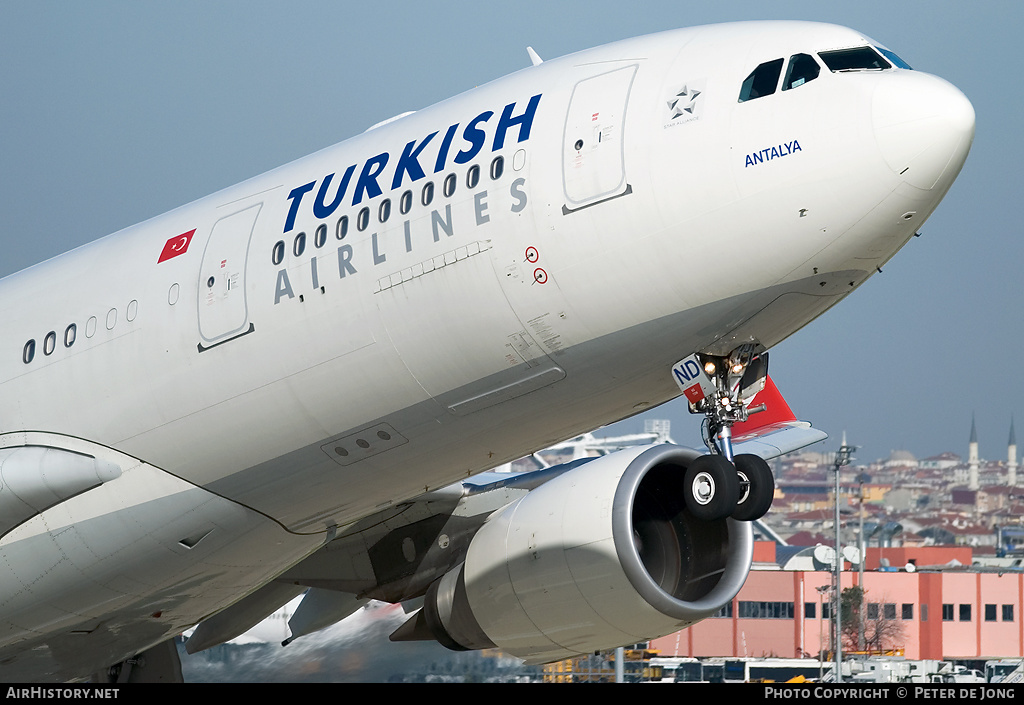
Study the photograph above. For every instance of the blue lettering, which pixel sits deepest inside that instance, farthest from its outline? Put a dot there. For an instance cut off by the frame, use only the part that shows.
(367, 183)
(409, 163)
(524, 121)
(475, 136)
(687, 371)
(322, 210)
(446, 143)
(769, 153)
(409, 169)
(296, 197)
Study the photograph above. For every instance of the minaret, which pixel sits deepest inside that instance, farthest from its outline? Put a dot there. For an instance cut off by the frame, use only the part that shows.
(972, 458)
(1011, 458)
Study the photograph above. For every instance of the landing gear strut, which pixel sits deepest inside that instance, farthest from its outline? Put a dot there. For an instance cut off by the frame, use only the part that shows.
(720, 484)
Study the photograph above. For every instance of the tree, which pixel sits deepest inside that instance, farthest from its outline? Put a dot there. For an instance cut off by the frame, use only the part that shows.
(882, 629)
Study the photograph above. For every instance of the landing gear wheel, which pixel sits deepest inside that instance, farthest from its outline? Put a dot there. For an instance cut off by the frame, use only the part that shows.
(712, 487)
(757, 487)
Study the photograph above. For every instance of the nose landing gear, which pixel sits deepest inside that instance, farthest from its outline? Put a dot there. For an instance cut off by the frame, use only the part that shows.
(719, 485)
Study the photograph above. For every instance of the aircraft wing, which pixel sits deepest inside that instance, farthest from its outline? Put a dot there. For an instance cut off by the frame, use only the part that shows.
(780, 439)
(774, 431)
(402, 554)
(392, 556)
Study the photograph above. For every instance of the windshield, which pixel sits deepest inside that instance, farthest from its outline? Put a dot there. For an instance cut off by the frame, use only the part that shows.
(762, 81)
(802, 68)
(897, 61)
(856, 59)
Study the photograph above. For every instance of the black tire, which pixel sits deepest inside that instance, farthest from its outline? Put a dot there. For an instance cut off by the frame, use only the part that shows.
(756, 499)
(712, 487)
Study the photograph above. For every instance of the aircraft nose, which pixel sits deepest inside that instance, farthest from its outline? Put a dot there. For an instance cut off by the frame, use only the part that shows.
(924, 127)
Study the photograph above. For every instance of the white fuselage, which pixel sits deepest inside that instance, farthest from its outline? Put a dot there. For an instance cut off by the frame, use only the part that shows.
(287, 369)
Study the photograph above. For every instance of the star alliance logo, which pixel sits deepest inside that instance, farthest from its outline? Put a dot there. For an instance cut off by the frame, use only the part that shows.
(684, 103)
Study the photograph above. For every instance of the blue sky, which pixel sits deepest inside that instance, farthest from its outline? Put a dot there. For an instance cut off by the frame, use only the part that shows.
(114, 112)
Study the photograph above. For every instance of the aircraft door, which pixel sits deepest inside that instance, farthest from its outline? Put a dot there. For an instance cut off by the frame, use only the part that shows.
(223, 312)
(593, 162)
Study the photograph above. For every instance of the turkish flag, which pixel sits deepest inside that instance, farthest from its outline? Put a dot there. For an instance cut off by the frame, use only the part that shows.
(177, 245)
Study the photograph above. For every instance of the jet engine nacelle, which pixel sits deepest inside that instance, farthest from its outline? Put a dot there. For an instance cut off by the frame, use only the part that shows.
(601, 556)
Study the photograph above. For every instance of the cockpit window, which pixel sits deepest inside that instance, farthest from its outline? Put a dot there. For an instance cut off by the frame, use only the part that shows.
(897, 61)
(802, 68)
(762, 81)
(857, 59)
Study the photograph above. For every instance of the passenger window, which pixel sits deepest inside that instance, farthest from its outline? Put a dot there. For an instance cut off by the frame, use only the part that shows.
(762, 81)
(497, 167)
(856, 59)
(802, 68)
